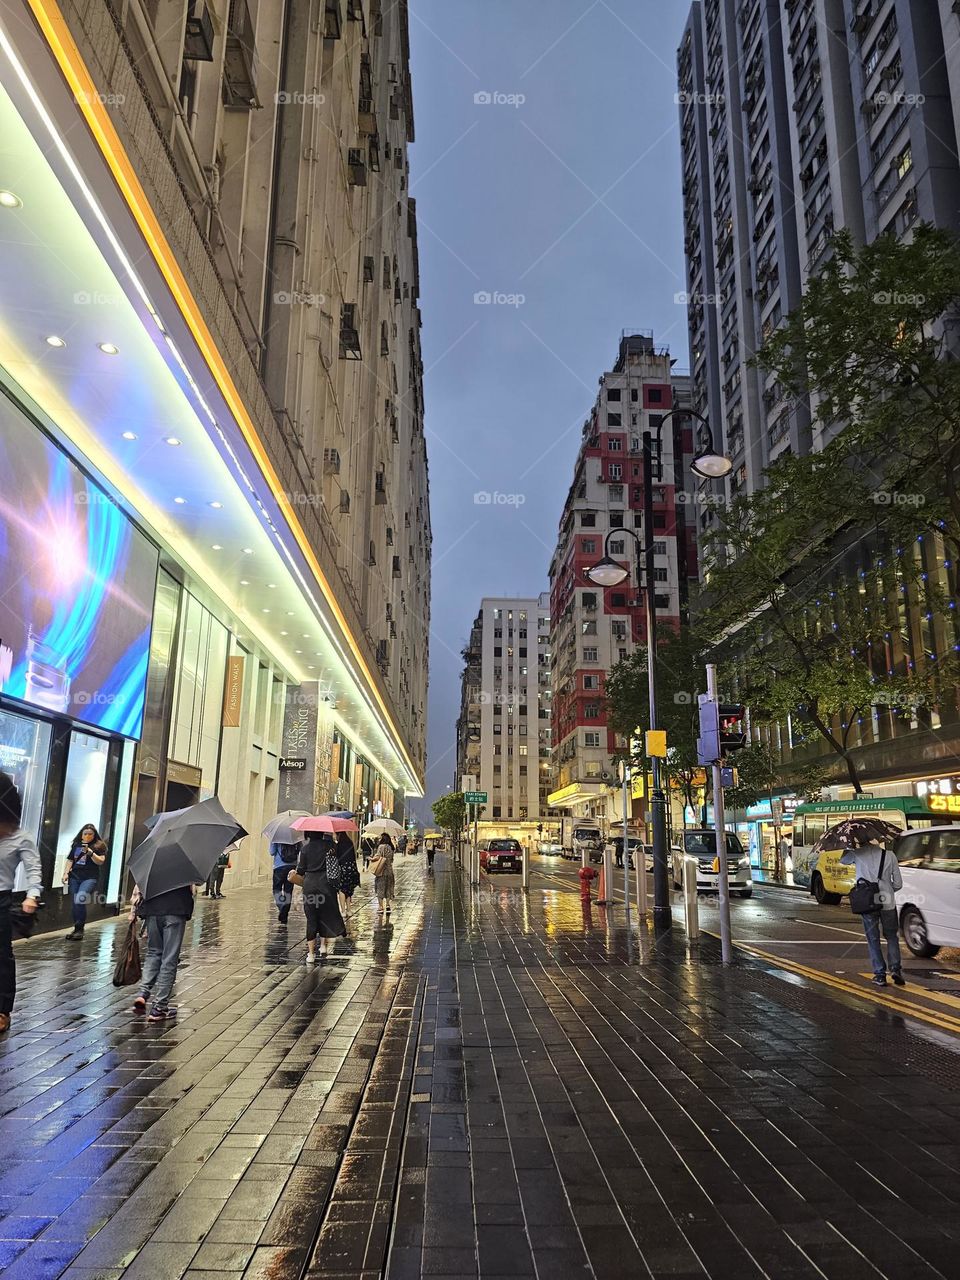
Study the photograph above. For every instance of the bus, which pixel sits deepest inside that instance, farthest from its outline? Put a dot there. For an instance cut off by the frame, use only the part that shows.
(824, 875)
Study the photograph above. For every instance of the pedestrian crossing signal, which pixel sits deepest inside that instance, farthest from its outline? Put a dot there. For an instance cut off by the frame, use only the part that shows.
(733, 726)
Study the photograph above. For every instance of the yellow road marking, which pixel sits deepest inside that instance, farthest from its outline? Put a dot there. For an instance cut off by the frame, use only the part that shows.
(941, 997)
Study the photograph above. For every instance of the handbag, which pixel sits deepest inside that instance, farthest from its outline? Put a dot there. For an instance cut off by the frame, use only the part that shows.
(129, 969)
(334, 870)
(379, 867)
(865, 894)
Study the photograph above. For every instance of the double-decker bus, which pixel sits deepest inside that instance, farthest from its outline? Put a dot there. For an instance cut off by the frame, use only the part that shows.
(823, 874)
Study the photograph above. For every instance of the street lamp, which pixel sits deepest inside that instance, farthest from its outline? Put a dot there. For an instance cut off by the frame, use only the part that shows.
(711, 465)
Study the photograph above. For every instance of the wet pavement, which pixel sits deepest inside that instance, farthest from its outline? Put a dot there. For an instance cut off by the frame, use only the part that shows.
(495, 1084)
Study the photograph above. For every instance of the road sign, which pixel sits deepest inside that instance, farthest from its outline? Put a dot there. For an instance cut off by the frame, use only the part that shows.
(475, 797)
(468, 782)
(656, 743)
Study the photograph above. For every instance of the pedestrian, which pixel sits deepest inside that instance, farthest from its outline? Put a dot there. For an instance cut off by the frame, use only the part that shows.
(284, 861)
(382, 868)
(16, 849)
(215, 881)
(618, 849)
(431, 854)
(88, 853)
(349, 873)
(318, 870)
(366, 848)
(878, 866)
(166, 915)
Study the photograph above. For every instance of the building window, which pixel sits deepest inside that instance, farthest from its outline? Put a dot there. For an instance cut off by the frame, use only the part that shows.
(497, 768)
(589, 628)
(634, 394)
(616, 547)
(496, 811)
(622, 654)
(523, 750)
(613, 393)
(498, 728)
(615, 471)
(588, 519)
(592, 769)
(591, 738)
(592, 711)
(659, 548)
(614, 444)
(591, 682)
(660, 574)
(616, 492)
(614, 420)
(590, 655)
(654, 395)
(616, 519)
(588, 545)
(618, 600)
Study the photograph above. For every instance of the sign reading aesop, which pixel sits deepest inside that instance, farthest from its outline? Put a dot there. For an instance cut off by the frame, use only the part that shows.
(298, 762)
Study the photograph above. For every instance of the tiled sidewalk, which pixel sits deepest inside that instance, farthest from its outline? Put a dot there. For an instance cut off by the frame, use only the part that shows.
(493, 1086)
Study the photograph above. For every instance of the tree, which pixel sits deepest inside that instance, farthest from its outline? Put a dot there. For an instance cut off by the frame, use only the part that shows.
(874, 343)
(450, 813)
(680, 676)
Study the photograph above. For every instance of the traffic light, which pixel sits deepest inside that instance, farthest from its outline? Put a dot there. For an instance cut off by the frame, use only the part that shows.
(732, 725)
(708, 744)
(539, 828)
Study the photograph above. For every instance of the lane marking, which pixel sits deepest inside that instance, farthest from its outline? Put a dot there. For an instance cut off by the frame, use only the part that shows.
(941, 997)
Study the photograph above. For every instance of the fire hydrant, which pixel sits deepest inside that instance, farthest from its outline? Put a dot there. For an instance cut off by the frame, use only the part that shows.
(586, 876)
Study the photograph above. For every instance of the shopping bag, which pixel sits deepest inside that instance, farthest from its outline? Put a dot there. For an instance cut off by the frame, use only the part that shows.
(129, 969)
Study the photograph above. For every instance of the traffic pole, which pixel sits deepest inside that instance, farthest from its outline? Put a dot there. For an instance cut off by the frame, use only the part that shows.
(626, 841)
(475, 863)
(720, 831)
(525, 883)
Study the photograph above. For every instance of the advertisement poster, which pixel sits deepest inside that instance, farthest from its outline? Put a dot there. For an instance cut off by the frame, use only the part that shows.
(77, 584)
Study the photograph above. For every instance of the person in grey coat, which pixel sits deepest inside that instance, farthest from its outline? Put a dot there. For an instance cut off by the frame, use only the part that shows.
(16, 849)
(866, 857)
(381, 864)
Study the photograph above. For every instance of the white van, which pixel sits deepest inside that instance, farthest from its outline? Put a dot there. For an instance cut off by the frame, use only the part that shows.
(929, 902)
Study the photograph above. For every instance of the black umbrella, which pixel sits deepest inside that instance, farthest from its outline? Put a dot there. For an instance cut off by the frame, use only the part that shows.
(183, 847)
(854, 831)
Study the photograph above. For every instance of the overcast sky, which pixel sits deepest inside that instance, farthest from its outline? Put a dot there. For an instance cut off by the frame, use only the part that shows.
(561, 198)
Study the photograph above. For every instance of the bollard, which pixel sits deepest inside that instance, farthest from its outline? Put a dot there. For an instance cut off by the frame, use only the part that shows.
(525, 866)
(691, 914)
(606, 884)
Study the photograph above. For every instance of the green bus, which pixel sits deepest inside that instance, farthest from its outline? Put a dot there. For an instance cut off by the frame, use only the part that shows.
(823, 874)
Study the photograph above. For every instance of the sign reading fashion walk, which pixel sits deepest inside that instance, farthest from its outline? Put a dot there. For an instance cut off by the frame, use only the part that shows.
(299, 744)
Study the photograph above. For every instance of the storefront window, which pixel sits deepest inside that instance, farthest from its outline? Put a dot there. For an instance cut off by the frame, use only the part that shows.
(83, 792)
(198, 693)
(24, 753)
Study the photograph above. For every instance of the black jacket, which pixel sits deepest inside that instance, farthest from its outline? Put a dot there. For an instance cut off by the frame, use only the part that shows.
(175, 902)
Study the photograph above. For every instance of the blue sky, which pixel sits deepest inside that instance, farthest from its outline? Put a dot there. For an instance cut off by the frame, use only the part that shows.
(556, 194)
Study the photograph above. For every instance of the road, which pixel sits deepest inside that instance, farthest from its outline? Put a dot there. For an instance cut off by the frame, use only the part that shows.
(822, 944)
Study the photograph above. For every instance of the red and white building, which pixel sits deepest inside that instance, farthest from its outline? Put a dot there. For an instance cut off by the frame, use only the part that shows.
(593, 628)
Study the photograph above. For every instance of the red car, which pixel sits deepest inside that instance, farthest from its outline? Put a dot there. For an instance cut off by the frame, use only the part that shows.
(501, 855)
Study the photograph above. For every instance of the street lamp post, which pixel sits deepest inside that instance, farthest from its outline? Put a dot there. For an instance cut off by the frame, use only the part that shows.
(709, 464)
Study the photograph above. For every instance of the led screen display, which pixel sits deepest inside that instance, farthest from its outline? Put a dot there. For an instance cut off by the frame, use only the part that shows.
(77, 584)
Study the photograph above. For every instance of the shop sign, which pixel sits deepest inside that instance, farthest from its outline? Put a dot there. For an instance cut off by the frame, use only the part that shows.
(292, 764)
(943, 804)
(299, 744)
(187, 774)
(233, 693)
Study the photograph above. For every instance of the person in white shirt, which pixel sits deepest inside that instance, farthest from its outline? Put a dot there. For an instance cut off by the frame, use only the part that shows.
(880, 866)
(16, 849)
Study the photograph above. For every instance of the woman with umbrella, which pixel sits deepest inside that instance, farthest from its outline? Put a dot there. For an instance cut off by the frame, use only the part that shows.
(382, 867)
(318, 870)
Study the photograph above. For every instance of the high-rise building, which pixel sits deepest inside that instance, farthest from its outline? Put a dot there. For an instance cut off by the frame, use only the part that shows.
(799, 118)
(205, 214)
(503, 733)
(592, 628)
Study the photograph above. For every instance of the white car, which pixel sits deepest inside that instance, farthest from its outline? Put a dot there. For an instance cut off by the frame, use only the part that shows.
(929, 902)
(702, 844)
(550, 848)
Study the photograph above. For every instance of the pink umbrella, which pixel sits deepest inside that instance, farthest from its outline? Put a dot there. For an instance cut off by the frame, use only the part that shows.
(323, 823)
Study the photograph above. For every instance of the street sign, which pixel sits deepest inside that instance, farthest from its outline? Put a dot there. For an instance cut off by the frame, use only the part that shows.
(656, 743)
(468, 782)
(475, 797)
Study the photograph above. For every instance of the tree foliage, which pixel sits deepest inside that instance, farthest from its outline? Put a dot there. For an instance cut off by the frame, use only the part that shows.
(450, 812)
(803, 636)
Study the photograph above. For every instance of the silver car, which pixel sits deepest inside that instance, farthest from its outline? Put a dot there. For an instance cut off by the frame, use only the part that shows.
(701, 843)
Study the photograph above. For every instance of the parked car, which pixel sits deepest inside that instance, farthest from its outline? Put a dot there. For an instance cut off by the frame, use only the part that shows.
(501, 855)
(633, 844)
(929, 901)
(550, 848)
(701, 843)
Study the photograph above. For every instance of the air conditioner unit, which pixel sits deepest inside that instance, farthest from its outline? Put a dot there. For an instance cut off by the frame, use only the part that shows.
(349, 332)
(380, 489)
(344, 502)
(356, 165)
(366, 116)
(240, 58)
(333, 20)
(198, 35)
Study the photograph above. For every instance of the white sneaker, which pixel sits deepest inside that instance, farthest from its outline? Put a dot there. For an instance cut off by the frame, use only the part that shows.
(311, 957)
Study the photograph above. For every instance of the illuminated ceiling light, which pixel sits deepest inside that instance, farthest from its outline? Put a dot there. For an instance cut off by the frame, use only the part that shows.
(244, 582)
(298, 651)
(272, 586)
(264, 610)
(108, 348)
(179, 501)
(172, 440)
(217, 547)
(284, 633)
(9, 201)
(129, 435)
(289, 613)
(248, 551)
(217, 506)
(311, 667)
(53, 341)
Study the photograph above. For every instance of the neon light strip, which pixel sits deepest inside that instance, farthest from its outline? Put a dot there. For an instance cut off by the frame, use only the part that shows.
(64, 50)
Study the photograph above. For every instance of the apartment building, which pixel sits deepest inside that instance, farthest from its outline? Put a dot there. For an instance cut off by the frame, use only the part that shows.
(592, 628)
(800, 118)
(206, 215)
(503, 731)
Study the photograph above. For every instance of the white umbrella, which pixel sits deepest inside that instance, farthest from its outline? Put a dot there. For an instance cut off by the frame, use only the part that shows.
(379, 826)
(278, 829)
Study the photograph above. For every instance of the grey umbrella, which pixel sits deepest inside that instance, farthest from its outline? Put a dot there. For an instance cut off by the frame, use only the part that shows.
(183, 847)
(279, 831)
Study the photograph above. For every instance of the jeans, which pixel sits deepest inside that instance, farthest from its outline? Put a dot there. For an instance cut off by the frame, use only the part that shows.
(8, 969)
(164, 940)
(81, 891)
(215, 882)
(283, 889)
(872, 924)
